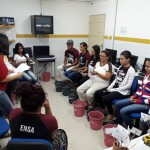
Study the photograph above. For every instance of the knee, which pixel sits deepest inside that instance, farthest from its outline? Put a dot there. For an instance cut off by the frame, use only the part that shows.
(59, 67)
(89, 94)
(122, 112)
(78, 90)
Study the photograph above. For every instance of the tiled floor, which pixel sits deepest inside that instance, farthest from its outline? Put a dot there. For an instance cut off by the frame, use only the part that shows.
(80, 135)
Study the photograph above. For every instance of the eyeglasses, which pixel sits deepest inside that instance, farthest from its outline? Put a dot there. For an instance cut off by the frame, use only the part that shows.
(102, 56)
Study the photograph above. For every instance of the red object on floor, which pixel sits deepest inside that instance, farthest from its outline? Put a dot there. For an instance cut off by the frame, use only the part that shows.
(79, 107)
(108, 138)
(46, 76)
(95, 118)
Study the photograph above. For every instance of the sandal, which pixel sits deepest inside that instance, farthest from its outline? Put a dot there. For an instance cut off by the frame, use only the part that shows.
(109, 118)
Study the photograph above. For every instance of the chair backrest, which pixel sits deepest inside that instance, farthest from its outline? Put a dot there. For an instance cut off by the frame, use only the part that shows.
(28, 144)
(112, 78)
(28, 50)
(4, 127)
(134, 86)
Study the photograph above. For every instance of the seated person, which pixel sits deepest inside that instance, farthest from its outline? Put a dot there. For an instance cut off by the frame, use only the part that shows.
(12, 84)
(71, 59)
(29, 122)
(139, 102)
(100, 79)
(82, 76)
(83, 61)
(22, 57)
(5, 104)
(119, 88)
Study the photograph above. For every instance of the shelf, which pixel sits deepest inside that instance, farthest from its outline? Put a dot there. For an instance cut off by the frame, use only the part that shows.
(7, 26)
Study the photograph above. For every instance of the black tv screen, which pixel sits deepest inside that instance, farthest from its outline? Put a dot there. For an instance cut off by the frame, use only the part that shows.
(41, 24)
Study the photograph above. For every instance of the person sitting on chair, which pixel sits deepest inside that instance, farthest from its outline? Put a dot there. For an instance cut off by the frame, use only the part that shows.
(101, 75)
(29, 122)
(119, 88)
(22, 57)
(137, 103)
(71, 59)
(5, 103)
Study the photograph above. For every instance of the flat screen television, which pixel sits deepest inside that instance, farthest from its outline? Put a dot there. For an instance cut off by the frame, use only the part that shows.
(113, 55)
(41, 24)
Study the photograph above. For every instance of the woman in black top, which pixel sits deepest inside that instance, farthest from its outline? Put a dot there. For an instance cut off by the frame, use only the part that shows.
(82, 76)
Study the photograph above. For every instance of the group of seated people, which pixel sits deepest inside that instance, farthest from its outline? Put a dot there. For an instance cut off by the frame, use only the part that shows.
(92, 75)
(27, 121)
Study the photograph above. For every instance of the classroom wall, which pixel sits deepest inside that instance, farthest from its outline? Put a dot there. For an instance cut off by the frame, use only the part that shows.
(132, 25)
(71, 21)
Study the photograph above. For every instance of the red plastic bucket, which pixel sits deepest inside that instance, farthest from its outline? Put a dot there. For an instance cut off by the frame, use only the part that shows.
(46, 76)
(79, 107)
(108, 138)
(95, 118)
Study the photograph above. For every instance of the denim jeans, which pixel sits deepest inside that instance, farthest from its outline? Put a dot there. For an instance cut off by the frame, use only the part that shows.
(5, 104)
(69, 74)
(29, 76)
(124, 108)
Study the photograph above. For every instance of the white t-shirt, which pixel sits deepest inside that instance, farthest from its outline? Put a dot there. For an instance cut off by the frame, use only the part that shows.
(102, 70)
(19, 58)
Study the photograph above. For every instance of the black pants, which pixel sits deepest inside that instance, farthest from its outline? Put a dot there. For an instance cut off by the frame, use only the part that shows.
(83, 80)
(107, 99)
(98, 101)
(11, 86)
(77, 76)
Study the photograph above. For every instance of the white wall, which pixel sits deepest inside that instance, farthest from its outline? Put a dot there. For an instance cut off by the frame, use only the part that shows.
(69, 17)
(72, 18)
(133, 16)
(132, 21)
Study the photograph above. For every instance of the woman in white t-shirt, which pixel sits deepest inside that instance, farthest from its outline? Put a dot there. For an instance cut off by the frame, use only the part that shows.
(22, 57)
(100, 79)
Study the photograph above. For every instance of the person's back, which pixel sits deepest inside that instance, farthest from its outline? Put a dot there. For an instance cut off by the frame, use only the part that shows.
(29, 122)
(24, 125)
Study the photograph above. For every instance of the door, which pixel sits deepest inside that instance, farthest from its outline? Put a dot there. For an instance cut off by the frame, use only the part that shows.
(96, 30)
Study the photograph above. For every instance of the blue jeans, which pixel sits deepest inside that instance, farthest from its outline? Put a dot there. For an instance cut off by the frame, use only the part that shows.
(124, 108)
(69, 74)
(5, 104)
(29, 76)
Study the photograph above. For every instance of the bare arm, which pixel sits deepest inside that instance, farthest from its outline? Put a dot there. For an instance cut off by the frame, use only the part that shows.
(10, 78)
(106, 76)
(65, 61)
(47, 108)
(17, 64)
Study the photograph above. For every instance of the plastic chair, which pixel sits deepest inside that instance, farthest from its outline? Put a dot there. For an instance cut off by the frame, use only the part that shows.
(28, 144)
(133, 89)
(4, 127)
(137, 117)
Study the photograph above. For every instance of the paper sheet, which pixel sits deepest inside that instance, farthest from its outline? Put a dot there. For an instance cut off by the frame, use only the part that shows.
(21, 68)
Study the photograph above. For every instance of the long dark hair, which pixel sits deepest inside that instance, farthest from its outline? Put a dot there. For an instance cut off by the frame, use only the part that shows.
(4, 44)
(32, 96)
(17, 49)
(96, 48)
(84, 45)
